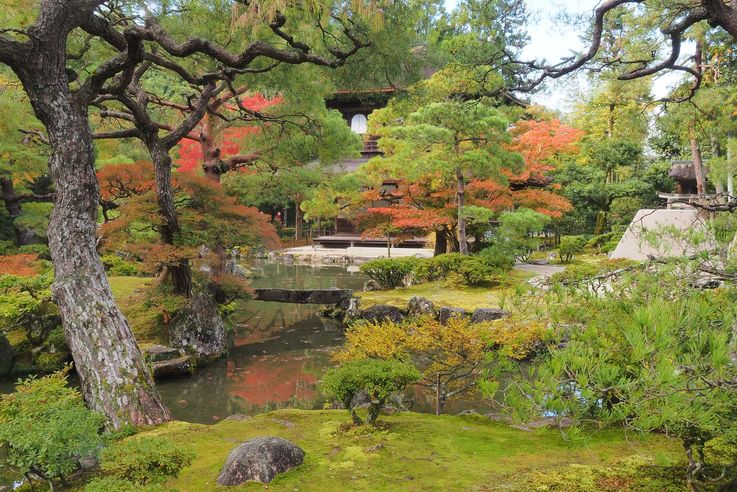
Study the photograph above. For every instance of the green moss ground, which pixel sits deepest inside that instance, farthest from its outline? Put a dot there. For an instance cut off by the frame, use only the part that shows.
(125, 287)
(415, 452)
(145, 321)
(444, 293)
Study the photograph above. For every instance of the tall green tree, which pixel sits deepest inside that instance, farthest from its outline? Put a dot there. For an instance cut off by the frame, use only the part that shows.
(457, 140)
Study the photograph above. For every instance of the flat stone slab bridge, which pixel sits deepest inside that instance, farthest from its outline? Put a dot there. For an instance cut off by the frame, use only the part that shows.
(304, 296)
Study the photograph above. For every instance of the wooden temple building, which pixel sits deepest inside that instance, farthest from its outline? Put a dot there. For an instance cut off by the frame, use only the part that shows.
(356, 107)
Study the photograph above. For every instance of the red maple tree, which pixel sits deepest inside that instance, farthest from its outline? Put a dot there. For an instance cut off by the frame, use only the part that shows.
(215, 144)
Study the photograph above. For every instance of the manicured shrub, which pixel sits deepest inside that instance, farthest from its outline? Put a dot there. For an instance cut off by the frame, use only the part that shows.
(45, 427)
(390, 273)
(475, 271)
(145, 460)
(378, 378)
(498, 257)
(570, 246)
(439, 267)
(117, 266)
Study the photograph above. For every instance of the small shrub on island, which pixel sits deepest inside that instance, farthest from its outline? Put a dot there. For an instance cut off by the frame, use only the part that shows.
(570, 246)
(474, 270)
(380, 379)
(390, 273)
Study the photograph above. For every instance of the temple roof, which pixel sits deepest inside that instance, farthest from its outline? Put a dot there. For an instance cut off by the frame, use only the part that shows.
(684, 170)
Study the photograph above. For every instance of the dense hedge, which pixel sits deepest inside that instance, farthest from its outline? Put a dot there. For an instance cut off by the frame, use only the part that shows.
(473, 270)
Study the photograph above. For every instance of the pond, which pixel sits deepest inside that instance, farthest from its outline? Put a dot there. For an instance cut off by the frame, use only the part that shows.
(280, 352)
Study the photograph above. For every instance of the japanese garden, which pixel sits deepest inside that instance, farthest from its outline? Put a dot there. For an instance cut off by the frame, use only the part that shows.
(437, 245)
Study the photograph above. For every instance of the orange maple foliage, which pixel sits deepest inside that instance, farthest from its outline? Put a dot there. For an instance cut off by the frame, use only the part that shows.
(125, 180)
(538, 142)
(206, 215)
(23, 265)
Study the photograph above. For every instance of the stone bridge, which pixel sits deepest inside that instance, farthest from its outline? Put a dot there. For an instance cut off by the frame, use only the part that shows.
(304, 296)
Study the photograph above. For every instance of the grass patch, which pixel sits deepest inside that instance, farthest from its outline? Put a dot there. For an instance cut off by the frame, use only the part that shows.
(411, 452)
(444, 293)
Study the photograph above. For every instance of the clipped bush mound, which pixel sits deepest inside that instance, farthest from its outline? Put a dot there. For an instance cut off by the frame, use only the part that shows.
(380, 379)
(390, 273)
(144, 460)
(474, 270)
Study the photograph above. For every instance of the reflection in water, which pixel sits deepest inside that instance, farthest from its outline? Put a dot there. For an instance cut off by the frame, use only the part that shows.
(280, 352)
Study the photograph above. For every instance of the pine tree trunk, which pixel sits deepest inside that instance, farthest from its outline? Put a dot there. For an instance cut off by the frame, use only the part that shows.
(298, 226)
(461, 199)
(441, 242)
(181, 274)
(698, 162)
(10, 197)
(113, 375)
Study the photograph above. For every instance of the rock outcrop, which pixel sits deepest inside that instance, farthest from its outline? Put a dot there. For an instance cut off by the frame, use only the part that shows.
(199, 330)
(383, 312)
(260, 460)
(488, 314)
(420, 306)
(445, 313)
(371, 285)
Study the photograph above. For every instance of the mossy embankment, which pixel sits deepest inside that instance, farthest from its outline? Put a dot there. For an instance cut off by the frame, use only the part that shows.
(448, 293)
(411, 452)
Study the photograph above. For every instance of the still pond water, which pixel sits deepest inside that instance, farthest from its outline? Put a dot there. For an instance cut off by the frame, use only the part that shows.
(280, 352)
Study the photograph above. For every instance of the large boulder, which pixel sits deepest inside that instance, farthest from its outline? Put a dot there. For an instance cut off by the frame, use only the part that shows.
(199, 330)
(6, 356)
(488, 314)
(383, 312)
(420, 306)
(260, 460)
(446, 313)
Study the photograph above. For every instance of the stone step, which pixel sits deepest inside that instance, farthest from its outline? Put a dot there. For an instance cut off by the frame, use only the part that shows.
(160, 353)
(181, 366)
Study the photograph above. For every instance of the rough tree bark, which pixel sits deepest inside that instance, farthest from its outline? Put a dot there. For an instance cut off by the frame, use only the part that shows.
(113, 375)
(10, 197)
(114, 378)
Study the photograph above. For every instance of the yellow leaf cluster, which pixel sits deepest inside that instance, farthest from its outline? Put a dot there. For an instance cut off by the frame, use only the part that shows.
(517, 339)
